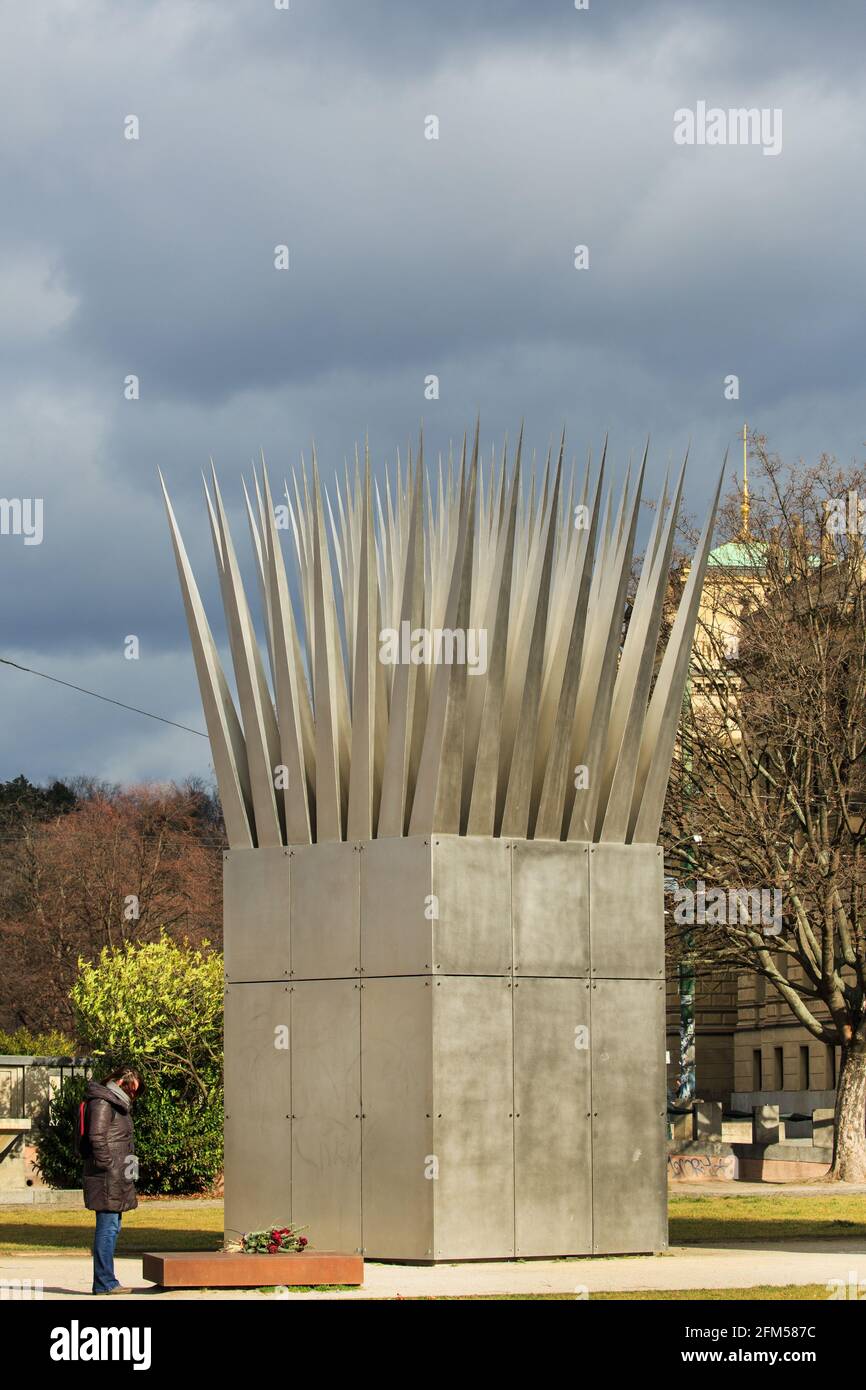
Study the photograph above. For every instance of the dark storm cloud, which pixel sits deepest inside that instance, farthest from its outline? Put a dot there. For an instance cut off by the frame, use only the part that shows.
(408, 37)
(408, 257)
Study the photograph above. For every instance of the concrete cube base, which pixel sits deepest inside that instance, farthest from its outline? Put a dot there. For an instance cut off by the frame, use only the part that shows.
(447, 1048)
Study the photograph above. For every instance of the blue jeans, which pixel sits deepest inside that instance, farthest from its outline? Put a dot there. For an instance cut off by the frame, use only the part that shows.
(104, 1241)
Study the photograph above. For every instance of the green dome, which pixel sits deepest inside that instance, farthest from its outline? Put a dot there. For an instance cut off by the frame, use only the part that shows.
(743, 555)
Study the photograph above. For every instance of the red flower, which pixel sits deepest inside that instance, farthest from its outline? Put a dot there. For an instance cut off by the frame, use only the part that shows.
(302, 1240)
(272, 1249)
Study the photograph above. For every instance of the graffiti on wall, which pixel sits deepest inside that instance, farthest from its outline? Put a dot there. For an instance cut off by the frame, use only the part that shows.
(702, 1167)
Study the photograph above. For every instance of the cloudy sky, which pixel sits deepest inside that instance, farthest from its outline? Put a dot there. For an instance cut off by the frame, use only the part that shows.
(409, 257)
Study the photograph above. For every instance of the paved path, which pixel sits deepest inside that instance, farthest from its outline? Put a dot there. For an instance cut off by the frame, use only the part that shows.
(764, 1189)
(754, 1263)
(733, 1265)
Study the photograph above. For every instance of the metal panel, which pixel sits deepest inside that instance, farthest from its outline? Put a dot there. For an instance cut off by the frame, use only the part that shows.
(552, 1126)
(472, 893)
(626, 912)
(627, 1036)
(326, 1109)
(326, 908)
(396, 929)
(256, 914)
(550, 898)
(258, 1106)
(473, 1137)
(397, 1129)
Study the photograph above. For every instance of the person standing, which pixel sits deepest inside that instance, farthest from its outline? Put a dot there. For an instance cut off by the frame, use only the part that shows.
(108, 1148)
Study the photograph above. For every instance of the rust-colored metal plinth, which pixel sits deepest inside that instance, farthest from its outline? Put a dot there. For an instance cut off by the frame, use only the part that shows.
(223, 1269)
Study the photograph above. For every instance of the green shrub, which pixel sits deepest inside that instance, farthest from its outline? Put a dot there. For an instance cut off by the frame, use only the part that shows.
(23, 1043)
(179, 1144)
(156, 1006)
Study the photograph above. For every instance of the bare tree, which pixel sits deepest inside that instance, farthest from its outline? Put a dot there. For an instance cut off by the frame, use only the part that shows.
(769, 784)
(121, 866)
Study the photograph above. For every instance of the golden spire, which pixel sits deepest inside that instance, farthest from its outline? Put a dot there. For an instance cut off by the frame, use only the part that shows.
(744, 505)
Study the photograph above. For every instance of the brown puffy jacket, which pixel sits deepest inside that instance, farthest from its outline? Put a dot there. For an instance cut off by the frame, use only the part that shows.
(108, 1172)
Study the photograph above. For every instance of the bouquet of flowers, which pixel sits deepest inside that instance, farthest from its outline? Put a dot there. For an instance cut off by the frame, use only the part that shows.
(276, 1240)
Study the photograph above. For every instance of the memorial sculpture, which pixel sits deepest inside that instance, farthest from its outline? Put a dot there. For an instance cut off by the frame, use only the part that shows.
(442, 786)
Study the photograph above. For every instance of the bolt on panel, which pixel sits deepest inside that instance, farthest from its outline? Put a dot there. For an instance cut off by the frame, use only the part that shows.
(629, 1186)
(552, 1121)
(326, 1100)
(258, 1106)
(397, 1126)
(472, 897)
(396, 907)
(256, 898)
(626, 911)
(473, 1098)
(326, 911)
(550, 903)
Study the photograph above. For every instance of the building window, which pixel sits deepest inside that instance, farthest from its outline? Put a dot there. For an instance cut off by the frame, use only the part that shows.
(757, 1071)
(831, 1067)
(778, 1069)
(804, 1069)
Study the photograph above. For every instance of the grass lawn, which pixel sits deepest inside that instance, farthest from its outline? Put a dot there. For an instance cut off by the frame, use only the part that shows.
(693, 1221)
(40, 1230)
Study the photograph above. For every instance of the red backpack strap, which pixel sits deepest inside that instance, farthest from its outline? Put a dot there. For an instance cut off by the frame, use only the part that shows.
(81, 1110)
